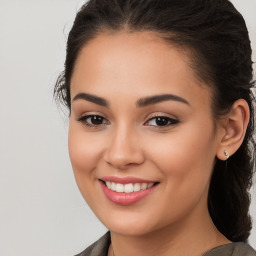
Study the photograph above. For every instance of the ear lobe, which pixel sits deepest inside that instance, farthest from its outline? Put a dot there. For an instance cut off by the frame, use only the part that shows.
(235, 124)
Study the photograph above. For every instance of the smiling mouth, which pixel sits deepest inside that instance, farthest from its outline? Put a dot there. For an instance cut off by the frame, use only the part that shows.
(129, 187)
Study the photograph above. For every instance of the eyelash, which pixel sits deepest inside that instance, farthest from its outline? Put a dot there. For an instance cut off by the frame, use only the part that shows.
(84, 121)
(170, 121)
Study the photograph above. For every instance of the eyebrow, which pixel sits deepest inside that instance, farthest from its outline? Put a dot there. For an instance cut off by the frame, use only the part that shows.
(143, 102)
(92, 98)
(159, 98)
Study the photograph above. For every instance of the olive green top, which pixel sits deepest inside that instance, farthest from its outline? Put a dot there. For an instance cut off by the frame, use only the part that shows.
(100, 248)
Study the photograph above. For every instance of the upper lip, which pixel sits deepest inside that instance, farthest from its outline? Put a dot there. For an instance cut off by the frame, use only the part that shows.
(125, 180)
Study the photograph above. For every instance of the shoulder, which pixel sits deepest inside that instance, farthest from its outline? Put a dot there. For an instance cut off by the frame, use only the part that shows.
(99, 248)
(232, 249)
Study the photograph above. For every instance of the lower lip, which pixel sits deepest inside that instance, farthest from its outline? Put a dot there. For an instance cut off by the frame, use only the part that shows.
(126, 198)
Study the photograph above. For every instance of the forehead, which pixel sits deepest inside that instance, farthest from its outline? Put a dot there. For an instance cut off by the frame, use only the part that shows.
(123, 50)
(135, 64)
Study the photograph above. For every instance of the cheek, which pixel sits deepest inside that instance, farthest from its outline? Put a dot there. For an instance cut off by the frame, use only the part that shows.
(184, 149)
(186, 158)
(84, 152)
(186, 164)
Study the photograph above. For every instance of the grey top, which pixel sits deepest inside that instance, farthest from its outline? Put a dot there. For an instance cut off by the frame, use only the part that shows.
(100, 248)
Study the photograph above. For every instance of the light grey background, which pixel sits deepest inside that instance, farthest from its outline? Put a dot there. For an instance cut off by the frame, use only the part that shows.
(41, 209)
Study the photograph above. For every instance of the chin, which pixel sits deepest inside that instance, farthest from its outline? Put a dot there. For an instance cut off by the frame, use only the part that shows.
(130, 227)
(130, 231)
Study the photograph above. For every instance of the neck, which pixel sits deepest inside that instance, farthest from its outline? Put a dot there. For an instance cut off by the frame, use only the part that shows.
(194, 235)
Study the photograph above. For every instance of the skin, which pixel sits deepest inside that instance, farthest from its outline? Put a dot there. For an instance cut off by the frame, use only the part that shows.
(123, 68)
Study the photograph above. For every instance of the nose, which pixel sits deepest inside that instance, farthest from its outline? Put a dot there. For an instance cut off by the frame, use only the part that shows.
(124, 148)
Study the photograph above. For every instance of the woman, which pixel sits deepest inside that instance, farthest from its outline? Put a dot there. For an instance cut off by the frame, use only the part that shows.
(161, 125)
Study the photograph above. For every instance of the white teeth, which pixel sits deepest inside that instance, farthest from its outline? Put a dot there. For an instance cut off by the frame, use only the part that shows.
(108, 183)
(113, 186)
(136, 187)
(128, 188)
(144, 185)
(150, 185)
(119, 187)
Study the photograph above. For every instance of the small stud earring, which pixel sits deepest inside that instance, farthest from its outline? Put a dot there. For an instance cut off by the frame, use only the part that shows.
(226, 154)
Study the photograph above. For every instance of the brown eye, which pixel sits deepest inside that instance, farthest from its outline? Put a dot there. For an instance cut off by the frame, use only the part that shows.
(161, 121)
(93, 120)
(96, 120)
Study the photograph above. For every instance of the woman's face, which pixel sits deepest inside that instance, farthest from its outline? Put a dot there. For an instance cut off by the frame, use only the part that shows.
(140, 116)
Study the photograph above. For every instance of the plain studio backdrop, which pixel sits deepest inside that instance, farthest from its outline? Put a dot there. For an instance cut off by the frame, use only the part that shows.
(41, 210)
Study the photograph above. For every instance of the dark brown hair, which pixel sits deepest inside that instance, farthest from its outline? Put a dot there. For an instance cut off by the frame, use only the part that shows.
(215, 34)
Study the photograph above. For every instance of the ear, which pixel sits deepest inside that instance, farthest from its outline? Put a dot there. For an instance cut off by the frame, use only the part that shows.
(233, 129)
